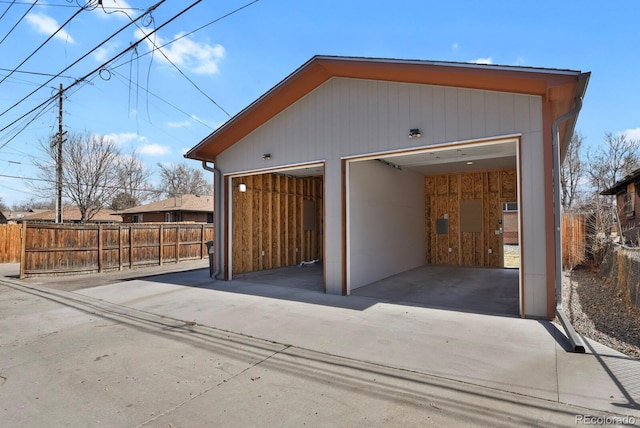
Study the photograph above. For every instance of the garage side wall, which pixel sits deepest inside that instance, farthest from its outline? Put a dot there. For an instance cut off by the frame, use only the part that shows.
(386, 222)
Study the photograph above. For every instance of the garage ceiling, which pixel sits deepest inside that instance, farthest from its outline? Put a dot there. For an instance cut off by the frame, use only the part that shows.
(441, 160)
(456, 159)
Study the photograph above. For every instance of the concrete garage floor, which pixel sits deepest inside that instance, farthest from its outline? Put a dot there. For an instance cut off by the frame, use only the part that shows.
(468, 289)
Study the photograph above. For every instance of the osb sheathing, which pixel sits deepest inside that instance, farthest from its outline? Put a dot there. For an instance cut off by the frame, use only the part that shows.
(443, 194)
(268, 222)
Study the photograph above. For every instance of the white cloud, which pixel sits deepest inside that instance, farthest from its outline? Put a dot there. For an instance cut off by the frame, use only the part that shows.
(632, 134)
(455, 46)
(46, 25)
(154, 149)
(124, 137)
(182, 124)
(519, 61)
(105, 52)
(199, 58)
(482, 61)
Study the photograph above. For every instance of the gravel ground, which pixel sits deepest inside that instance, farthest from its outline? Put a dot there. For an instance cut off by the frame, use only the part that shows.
(599, 311)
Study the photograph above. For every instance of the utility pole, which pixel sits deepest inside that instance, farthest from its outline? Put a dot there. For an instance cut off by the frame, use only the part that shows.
(59, 162)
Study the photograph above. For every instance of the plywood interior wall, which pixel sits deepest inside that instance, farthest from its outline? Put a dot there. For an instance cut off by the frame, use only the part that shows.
(269, 227)
(444, 195)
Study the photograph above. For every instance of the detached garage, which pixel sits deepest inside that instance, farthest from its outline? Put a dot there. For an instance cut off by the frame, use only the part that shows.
(376, 167)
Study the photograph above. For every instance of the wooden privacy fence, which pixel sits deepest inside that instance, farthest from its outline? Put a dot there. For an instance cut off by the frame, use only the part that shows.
(9, 243)
(573, 240)
(51, 249)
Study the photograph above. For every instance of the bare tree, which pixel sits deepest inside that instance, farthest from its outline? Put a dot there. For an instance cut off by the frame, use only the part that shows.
(34, 203)
(3, 207)
(607, 165)
(182, 180)
(133, 178)
(572, 172)
(611, 161)
(89, 173)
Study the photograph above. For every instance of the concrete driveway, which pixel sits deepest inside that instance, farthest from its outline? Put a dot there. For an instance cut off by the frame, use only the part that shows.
(351, 360)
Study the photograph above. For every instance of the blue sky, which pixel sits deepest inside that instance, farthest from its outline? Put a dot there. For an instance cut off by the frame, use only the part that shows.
(144, 103)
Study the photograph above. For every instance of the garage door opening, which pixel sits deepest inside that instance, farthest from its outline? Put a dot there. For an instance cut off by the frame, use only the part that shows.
(427, 225)
(277, 221)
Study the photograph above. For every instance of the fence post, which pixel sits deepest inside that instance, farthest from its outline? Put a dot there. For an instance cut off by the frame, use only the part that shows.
(23, 248)
(161, 243)
(119, 247)
(202, 241)
(100, 246)
(130, 246)
(177, 243)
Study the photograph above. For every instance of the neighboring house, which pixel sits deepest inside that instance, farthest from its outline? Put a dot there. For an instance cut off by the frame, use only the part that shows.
(184, 208)
(71, 214)
(378, 166)
(17, 216)
(628, 202)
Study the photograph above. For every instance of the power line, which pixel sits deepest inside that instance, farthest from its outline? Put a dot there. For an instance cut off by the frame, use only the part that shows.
(159, 48)
(19, 21)
(74, 63)
(68, 5)
(82, 9)
(162, 99)
(67, 183)
(35, 73)
(7, 9)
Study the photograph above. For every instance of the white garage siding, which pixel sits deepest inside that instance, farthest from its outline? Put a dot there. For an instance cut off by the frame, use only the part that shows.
(385, 222)
(351, 117)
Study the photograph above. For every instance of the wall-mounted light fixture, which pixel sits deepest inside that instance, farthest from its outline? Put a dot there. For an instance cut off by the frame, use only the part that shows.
(266, 156)
(470, 163)
(415, 133)
(242, 187)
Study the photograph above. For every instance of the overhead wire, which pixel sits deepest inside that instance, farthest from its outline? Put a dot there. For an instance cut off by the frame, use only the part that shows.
(36, 73)
(78, 12)
(138, 86)
(159, 48)
(7, 9)
(132, 46)
(19, 21)
(153, 43)
(47, 180)
(68, 5)
(74, 63)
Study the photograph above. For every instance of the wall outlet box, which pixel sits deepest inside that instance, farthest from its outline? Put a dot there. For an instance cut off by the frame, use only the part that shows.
(450, 250)
(445, 216)
(490, 251)
(263, 252)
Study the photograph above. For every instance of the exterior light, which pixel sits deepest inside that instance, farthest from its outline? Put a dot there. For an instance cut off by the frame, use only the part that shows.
(242, 187)
(266, 156)
(415, 133)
